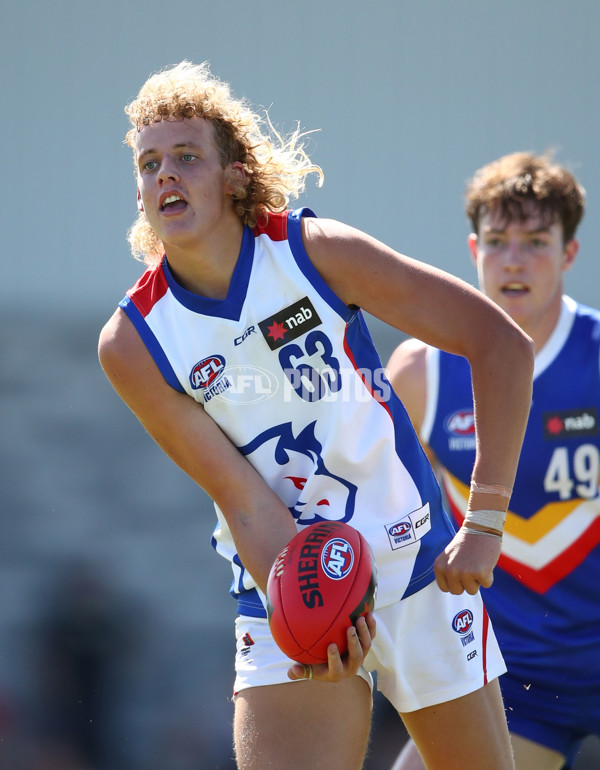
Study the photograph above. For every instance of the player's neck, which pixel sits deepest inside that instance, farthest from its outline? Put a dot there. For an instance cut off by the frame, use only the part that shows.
(206, 267)
(540, 329)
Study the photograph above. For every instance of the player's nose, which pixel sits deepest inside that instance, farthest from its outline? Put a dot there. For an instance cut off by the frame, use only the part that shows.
(514, 257)
(168, 171)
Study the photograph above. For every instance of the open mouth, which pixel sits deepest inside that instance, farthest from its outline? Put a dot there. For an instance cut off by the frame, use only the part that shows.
(514, 289)
(173, 203)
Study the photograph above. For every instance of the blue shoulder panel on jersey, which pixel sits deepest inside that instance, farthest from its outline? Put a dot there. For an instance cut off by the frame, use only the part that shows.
(150, 341)
(307, 267)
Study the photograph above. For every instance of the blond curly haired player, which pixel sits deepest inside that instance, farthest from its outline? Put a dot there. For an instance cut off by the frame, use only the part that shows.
(243, 351)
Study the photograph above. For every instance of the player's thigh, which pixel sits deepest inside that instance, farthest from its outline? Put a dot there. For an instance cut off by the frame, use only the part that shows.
(302, 725)
(533, 756)
(409, 758)
(528, 756)
(469, 731)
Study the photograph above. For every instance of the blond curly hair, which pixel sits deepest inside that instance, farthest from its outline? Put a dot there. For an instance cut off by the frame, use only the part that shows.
(275, 167)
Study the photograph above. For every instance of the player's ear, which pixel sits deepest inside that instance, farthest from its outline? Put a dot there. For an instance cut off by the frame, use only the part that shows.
(569, 254)
(235, 175)
(472, 244)
(140, 205)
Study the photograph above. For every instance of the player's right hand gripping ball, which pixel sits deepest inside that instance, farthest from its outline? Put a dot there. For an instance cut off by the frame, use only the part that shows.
(320, 584)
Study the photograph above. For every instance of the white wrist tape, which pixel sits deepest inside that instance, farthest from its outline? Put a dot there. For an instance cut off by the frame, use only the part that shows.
(491, 519)
(471, 531)
(491, 489)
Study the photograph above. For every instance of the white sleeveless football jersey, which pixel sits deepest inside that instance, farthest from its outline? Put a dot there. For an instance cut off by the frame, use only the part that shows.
(291, 376)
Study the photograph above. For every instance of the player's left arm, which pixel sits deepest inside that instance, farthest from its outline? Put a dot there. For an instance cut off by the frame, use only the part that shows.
(445, 312)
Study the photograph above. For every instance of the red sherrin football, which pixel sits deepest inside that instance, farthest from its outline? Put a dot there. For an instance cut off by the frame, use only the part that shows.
(320, 584)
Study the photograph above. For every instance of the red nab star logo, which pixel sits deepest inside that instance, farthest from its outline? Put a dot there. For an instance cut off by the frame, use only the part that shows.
(571, 423)
(277, 331)
(554, 426)
(289, 323)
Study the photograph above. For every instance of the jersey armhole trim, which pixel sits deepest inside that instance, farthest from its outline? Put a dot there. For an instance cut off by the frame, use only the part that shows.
(432, 384)
(151, 343)
(309, 271)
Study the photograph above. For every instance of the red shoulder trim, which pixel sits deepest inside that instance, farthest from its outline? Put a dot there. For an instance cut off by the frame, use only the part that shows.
(149, 289)
(274, 226)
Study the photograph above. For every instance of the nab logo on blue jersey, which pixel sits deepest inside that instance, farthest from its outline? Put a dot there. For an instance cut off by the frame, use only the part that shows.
(337, 558)
(571, 422)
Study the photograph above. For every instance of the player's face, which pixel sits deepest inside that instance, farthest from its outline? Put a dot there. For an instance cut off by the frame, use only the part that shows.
(182, 186)
(520, 266)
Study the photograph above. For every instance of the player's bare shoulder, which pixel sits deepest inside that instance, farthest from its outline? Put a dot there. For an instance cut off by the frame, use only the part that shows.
(334, 248)
(118, 343)
(407, 372)
(128, 365)
(409, 358)
(355, 265)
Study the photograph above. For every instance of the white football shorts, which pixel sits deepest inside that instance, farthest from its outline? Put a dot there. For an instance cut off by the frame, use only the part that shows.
(429, 648)
(259, 661)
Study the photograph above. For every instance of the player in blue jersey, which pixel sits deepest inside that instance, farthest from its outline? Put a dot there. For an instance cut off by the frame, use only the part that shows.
(239, 290)
(545, 601)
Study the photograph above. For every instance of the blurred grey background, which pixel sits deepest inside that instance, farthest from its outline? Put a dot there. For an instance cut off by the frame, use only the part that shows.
(116, 630)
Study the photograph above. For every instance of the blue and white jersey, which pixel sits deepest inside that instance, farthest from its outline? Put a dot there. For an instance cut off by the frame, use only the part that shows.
(545, 601)
(291, 376)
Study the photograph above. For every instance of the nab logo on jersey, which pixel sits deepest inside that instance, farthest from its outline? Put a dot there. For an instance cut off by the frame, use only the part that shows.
(463, 622)
(337, 558)
(290, 323)
(205, 372)
(460, 423)
(571, 422)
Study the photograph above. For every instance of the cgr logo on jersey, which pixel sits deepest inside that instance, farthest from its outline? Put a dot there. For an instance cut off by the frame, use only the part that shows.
(463, 625)
(337, 558)
(207, 376)
(250, 330)
(290, 323)
(571, 422)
